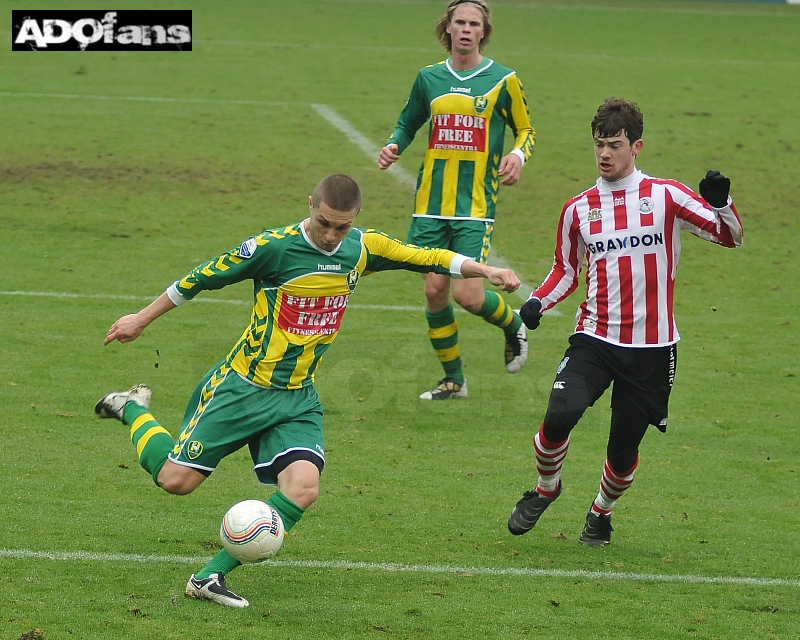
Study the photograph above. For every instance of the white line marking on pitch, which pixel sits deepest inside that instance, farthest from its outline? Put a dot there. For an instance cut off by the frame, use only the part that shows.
(87, 556)
(402, 176)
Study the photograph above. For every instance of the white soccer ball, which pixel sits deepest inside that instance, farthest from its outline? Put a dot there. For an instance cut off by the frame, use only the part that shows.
(251, 531)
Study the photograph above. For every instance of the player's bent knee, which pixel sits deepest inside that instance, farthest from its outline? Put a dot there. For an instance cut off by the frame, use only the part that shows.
(559, 420)
(307, 496)
(557, 426)
(622, 461)
(469, 295)
(179, 480)
(300, 482)
(437, 299)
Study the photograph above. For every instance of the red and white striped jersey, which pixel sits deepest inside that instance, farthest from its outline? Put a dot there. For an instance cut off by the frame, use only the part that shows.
(629, 234)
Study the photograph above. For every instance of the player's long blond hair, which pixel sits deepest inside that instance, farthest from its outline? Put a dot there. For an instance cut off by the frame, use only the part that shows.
(447, 16)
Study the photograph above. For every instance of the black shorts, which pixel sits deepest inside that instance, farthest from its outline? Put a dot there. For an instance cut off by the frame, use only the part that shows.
(642, 377)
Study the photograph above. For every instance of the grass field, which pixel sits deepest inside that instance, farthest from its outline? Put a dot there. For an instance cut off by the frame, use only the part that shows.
(119, 172)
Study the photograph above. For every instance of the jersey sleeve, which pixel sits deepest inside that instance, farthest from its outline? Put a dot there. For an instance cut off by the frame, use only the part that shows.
(518, 116)
(412, 117)
(570, 248)
(384, 253)
(252, 259)
(721, 226)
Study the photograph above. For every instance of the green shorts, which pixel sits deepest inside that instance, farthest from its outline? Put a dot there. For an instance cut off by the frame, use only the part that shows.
(471, 237)
(226, 412)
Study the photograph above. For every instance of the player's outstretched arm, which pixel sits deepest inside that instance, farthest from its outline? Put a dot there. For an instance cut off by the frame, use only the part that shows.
(388, 156)
(506, 279)
(130, 327)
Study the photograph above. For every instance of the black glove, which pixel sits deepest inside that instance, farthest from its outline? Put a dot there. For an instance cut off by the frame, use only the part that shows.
(715, 189)
(531, 313)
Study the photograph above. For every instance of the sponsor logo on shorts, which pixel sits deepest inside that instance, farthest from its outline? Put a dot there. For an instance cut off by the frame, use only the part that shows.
(194, 449)
(671, 373)
(559, 384)
(562, 365)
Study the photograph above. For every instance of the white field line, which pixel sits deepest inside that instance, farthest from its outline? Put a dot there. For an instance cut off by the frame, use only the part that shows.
(108, 296)
(404, 177)
(365, 144)
(87, 556)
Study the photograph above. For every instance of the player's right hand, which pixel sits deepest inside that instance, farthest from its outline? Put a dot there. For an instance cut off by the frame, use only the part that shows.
(126, 329)
(531, 313)
(388, 156)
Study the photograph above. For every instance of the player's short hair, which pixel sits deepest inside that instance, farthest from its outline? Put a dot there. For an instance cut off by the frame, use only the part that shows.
(616, 115)
(339, 192)
(447, 16)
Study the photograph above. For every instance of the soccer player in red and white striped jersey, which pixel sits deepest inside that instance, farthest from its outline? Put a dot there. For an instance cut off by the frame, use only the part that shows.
(626, 228)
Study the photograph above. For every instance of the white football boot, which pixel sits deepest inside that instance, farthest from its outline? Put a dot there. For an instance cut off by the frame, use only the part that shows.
(112, 404)
(215, 590)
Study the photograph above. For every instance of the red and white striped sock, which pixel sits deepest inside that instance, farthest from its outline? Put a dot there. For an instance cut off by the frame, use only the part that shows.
(549, 458)
(612, 486)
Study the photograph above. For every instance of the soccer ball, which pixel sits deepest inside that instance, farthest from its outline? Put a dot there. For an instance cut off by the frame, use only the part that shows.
(251, 531)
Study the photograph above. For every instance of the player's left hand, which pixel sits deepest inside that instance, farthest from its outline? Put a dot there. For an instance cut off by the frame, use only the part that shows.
(715, 189)
(506, 279)
(388, 156)
(510, 169)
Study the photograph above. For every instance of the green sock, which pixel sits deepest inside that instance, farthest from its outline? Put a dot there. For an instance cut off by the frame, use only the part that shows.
(152, 441)
(222, 563)
(289, 512)
(498, 312)
(443, 332)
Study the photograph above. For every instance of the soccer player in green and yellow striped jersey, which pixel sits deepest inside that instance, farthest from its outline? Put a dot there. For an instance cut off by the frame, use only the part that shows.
(261, 394)
(469, 101)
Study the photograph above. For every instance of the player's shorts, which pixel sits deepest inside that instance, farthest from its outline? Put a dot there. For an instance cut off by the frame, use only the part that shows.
(471, 237)
(642, 379)
(226, 412)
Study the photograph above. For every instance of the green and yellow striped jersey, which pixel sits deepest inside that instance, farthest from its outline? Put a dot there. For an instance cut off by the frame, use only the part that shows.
(468, 113)
(300, 294)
